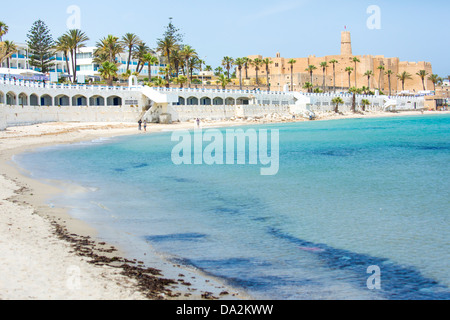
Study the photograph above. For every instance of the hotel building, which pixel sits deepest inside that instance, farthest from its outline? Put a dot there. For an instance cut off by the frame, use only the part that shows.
(86, 68)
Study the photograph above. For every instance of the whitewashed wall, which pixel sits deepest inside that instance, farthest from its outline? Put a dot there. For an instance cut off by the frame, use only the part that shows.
(27, 115)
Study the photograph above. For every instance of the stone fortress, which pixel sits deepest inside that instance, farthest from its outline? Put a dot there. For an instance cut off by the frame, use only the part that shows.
(280, 71)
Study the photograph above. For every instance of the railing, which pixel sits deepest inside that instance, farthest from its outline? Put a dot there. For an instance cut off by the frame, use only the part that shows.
(232, 91)
(42, 85)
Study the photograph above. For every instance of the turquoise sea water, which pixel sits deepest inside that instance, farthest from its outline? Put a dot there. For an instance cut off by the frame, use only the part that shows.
(349, 194)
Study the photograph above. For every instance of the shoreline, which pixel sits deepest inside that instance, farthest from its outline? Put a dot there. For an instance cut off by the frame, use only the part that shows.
(38, 264)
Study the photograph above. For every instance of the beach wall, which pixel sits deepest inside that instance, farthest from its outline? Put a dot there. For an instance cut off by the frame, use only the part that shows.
(27, 115)
(187, 113)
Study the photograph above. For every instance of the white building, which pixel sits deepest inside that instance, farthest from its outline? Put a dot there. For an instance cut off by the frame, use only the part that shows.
(86, 68)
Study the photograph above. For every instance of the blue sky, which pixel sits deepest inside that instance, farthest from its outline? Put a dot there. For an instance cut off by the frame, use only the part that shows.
(411, 30)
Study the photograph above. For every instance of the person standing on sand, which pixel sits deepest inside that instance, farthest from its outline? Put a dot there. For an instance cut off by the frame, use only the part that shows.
(140, 124)
(145, 125)
(198, 122)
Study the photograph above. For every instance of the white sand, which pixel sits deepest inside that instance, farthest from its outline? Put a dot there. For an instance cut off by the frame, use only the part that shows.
(35, 263)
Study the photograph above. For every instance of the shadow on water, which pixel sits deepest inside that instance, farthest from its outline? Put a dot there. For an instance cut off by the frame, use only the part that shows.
(398, 282)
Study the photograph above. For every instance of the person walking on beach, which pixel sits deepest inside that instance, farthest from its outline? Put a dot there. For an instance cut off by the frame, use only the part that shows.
(145, 125)
(140, 124)
(198, 122)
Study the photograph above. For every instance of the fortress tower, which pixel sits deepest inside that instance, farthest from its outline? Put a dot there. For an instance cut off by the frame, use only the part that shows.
(346, 44)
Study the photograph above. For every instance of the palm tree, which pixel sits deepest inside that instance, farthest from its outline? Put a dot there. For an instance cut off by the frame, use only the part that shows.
(257, 64)
(218, 71)
(151, 60)
(368, 74)
(422, 74)
(3, 30)
(389, 73)
(181, 80)
(403, 77)
(9, 48)
(186, 54)
(130, 41)
(76, 40)
(246, 66)
(308, 86)
(337, 101)
(292, 62)
(434, 78)
(194, 63)
(381, 68)
(228, 63)
(240, 62)
(223, 81)
(333, 62)
(349, 70)
(166, 46)
(324, 66)
(354, 91)
(62, 45)
(364, 103)
(311, 69)
(141, 50)
(356, 60)
(108, 71)
(267, 62)
(108, 47)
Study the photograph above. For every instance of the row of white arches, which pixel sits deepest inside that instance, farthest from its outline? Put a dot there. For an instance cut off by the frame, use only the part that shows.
(206, 101)
(22, 99)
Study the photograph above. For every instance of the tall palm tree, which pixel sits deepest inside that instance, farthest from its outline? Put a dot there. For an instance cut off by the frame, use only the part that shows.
(292, 62)
(324, 66)
(62, 45)
(151, 60)
(130, 41)
(356, 60)
(76, 40)
(337, 101)
(434, 78)
(267, 62)
(240, 62)
(381, 68)
(422, 74)
(227, 63)
(187, 53)
(349, 70)
(257, 63)
(108, 71)
(247, 64)
(333, 62)
(3, 30)
(389, 73)
(311, 69)
(403, 77)
(354, 91)
(368, 74)
(166, 46)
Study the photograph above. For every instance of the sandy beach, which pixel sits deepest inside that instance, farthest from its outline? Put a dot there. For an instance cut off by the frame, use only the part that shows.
(47, 255)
